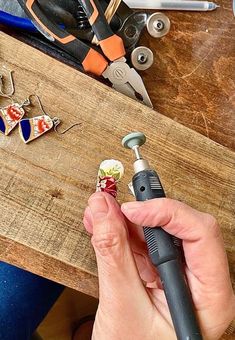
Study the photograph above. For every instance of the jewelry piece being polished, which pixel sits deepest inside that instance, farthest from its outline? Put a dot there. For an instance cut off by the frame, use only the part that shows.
(110, 172)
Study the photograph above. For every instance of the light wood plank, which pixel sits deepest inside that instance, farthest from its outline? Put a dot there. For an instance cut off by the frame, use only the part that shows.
(44, 186)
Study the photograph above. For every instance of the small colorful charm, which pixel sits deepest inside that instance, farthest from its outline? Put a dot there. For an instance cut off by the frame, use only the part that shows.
(10, 116)
(33, 128)
(110, 172)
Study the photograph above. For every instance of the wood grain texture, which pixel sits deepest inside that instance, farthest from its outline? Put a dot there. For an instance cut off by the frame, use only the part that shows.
(44, 186)
(47, 266)
(192, 79)
(193, 76)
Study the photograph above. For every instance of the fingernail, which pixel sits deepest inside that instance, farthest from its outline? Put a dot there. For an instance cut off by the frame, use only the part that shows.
(131, 206)
(98, 205)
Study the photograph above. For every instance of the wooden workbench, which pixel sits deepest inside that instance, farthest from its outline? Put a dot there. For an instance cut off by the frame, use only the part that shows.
(44, 186)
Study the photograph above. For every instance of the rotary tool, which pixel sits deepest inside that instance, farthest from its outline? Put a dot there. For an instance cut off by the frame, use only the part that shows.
(163, 248)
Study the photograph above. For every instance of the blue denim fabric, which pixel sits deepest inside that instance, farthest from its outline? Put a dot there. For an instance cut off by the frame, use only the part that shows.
(25, 299)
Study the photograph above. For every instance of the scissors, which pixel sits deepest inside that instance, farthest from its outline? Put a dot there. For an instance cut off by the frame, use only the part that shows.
(123, 78)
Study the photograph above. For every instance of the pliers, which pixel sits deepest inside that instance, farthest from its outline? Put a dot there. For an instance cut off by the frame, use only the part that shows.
(123, 78)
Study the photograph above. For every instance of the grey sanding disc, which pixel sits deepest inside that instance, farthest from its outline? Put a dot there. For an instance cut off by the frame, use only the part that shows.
(132, 139)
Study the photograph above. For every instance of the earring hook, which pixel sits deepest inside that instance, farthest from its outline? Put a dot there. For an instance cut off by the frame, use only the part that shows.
(7, 95)
(57, 121)
(26, 102)
(39, 103)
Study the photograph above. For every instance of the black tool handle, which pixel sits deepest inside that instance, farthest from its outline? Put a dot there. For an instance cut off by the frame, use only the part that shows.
(91, 60)
(111, 44)
(165, 256)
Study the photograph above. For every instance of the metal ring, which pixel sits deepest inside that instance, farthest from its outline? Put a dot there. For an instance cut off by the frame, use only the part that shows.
(142, 58)
(158, 25)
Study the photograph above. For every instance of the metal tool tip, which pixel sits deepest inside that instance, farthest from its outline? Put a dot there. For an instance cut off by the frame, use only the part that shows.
(133, 139)
(213, 6)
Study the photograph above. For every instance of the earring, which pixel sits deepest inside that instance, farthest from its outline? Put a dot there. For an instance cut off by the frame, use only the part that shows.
(32, 128)
(10, 115)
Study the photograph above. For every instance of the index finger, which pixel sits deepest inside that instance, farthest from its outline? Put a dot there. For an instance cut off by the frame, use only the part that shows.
(202, 240)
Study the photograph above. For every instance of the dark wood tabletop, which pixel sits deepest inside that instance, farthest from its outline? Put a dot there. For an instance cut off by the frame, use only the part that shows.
(193, 76)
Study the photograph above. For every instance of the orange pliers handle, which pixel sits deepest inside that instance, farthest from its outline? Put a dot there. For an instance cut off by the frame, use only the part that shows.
(91, 60)
(110, 43)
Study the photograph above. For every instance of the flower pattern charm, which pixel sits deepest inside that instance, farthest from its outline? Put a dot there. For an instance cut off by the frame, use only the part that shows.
(33, 128)
(10, 116)
(107, 184)
(110, 172)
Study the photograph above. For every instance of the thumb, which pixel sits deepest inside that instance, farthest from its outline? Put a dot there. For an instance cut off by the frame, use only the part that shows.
(116, 266)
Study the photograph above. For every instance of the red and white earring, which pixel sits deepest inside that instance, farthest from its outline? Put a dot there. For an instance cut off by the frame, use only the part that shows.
(33, 128)
(10, 115)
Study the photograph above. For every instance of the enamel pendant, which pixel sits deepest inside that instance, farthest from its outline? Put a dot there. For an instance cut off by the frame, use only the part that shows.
(10, 116)
(33, 128)
(110, 172)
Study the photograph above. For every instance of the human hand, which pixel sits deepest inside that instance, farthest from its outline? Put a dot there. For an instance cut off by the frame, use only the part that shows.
(128, 308)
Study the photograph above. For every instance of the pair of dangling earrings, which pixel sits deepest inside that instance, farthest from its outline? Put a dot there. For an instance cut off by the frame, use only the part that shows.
(29, 128)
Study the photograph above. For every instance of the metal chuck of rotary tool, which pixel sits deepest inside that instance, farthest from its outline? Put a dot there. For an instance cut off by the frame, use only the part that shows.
(162, 247)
